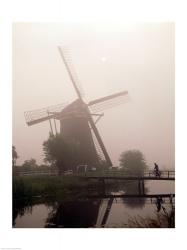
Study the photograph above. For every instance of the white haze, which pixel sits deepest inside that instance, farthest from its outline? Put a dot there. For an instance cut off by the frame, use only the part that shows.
(108, 58)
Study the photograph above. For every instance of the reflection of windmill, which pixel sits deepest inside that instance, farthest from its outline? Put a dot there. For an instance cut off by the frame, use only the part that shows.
(76, 120)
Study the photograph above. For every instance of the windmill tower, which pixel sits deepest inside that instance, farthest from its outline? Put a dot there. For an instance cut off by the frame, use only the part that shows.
(77, 121)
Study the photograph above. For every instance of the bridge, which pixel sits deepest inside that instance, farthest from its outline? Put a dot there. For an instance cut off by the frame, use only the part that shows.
(166, 175)
(103, 176)
(123, 175)
(108, 174)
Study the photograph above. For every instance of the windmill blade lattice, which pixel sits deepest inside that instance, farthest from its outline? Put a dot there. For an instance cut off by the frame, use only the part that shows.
(97, 146)
(36, 116)
(108, 103)
(66, 57)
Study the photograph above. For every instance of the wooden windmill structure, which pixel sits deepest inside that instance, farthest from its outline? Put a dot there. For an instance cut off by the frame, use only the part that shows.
(77, 121)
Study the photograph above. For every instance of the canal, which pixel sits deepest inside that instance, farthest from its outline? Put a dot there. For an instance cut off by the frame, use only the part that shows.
(99, 212)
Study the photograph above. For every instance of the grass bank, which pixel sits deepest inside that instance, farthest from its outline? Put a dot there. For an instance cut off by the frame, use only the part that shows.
(59, 186)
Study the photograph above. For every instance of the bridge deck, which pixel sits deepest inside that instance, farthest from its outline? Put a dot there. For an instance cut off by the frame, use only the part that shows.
(130, 178)
(121, 175)
(114, 174)
(133, 196)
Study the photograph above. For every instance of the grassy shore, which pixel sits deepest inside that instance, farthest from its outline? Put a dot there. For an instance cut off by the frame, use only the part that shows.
(59, 186)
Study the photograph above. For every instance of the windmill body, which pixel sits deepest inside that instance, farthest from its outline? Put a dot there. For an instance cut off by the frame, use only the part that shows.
(74, 126)
(77, 123)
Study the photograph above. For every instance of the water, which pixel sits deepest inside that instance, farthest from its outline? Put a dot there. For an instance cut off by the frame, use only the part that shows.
(95, 212)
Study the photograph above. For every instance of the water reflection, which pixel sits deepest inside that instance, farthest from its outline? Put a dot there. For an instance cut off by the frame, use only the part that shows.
(133, 188)
(129, 188)
(85, 212)
(74, 214)
(21, 207)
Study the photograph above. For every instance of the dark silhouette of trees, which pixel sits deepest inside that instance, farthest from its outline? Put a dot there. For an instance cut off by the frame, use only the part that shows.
(133, 162)
(14, 156)
(29, 164)
(61, 153)
(103, 164)
(74, 214)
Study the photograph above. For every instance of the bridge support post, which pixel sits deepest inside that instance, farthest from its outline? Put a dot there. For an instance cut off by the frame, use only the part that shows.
(143, 187)
(102, 181)
(139, 186)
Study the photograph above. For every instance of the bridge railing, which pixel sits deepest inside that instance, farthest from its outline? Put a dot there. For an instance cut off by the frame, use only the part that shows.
(35, 172)
(122, 173)
(106, 173)
(163, 173)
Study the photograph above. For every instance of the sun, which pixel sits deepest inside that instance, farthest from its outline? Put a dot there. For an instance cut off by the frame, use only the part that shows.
(103, 59)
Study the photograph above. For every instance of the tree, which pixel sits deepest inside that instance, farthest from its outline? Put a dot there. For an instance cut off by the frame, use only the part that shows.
(14, 156)
(29, 164)
(60, 152)
(102, 165)
(133, 162)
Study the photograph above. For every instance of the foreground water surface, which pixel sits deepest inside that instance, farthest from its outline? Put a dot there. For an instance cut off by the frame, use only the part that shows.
(95, 212)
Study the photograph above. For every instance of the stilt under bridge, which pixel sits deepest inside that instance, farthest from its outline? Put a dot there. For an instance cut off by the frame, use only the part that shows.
(121, 175)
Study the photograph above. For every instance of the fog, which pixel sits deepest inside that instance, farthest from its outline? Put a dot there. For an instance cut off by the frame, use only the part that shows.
(137, 57)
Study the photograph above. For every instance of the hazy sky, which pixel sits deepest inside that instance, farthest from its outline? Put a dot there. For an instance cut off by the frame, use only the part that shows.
(138, 57)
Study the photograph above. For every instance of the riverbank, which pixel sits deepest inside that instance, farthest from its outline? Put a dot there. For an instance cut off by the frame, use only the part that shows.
(65, 197)
(45, 186)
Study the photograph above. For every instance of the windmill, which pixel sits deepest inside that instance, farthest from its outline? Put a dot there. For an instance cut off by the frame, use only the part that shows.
(77, 120)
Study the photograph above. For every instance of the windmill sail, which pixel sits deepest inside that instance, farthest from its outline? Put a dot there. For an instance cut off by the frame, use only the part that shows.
(72, 74)
(44, 114)
(108, 101)
(100, 154)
